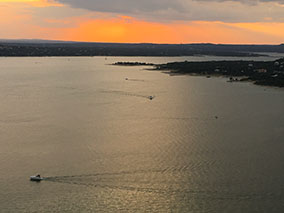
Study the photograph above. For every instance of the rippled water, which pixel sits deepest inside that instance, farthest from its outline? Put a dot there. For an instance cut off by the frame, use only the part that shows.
(201, 145)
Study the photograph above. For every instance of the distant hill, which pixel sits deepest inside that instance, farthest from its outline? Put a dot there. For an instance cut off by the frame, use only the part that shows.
(36, 47)
(32, 41)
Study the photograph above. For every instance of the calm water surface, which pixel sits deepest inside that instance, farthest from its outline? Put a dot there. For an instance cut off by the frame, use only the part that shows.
(201, 145)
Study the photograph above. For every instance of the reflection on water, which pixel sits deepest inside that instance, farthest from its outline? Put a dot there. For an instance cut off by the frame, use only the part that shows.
(201, 145)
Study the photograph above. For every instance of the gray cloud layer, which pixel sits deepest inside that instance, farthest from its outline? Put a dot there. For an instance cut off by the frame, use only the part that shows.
(188, 10)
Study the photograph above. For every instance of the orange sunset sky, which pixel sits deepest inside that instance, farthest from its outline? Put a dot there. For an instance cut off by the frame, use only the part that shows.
(155, 21)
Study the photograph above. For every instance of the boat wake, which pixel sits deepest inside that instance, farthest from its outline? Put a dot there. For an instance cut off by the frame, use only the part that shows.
(139, 180)
(133, 79)
(117, 92)
(167, 181)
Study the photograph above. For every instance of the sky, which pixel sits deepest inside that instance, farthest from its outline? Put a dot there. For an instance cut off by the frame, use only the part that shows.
(145, 21)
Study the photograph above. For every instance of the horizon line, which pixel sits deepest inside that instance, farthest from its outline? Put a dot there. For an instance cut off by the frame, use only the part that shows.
(100, 42)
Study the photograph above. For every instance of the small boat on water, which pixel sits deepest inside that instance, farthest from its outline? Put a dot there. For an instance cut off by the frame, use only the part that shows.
(36, 178)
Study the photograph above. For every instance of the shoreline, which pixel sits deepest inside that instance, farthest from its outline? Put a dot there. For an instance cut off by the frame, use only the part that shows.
(173, 74)
(263, 73)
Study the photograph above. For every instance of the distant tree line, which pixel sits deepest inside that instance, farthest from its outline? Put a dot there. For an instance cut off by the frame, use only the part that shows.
(114, 49)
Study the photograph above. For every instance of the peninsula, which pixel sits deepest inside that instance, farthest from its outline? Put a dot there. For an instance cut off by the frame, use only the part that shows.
(269, 73)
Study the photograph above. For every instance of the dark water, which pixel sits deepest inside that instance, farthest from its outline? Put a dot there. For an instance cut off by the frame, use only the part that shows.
(201, 145)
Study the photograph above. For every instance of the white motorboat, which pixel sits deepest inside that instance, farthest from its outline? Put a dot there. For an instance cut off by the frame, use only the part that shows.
(36, 178)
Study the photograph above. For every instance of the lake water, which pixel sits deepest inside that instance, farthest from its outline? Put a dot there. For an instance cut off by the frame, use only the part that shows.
(201, 145)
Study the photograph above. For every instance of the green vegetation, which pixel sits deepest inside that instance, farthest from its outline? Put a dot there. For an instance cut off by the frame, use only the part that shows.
(269, 73)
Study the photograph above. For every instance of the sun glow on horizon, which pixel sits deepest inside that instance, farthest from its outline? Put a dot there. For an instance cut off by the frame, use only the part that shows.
(47, 19)
(35, 3)
(131, 30)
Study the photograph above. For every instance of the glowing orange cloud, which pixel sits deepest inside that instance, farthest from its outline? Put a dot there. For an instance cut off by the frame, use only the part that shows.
(19, 23)
(272, 29)
(36, 3)
(127, 29)
(9, 1)
(21, 19)
(120, 30)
